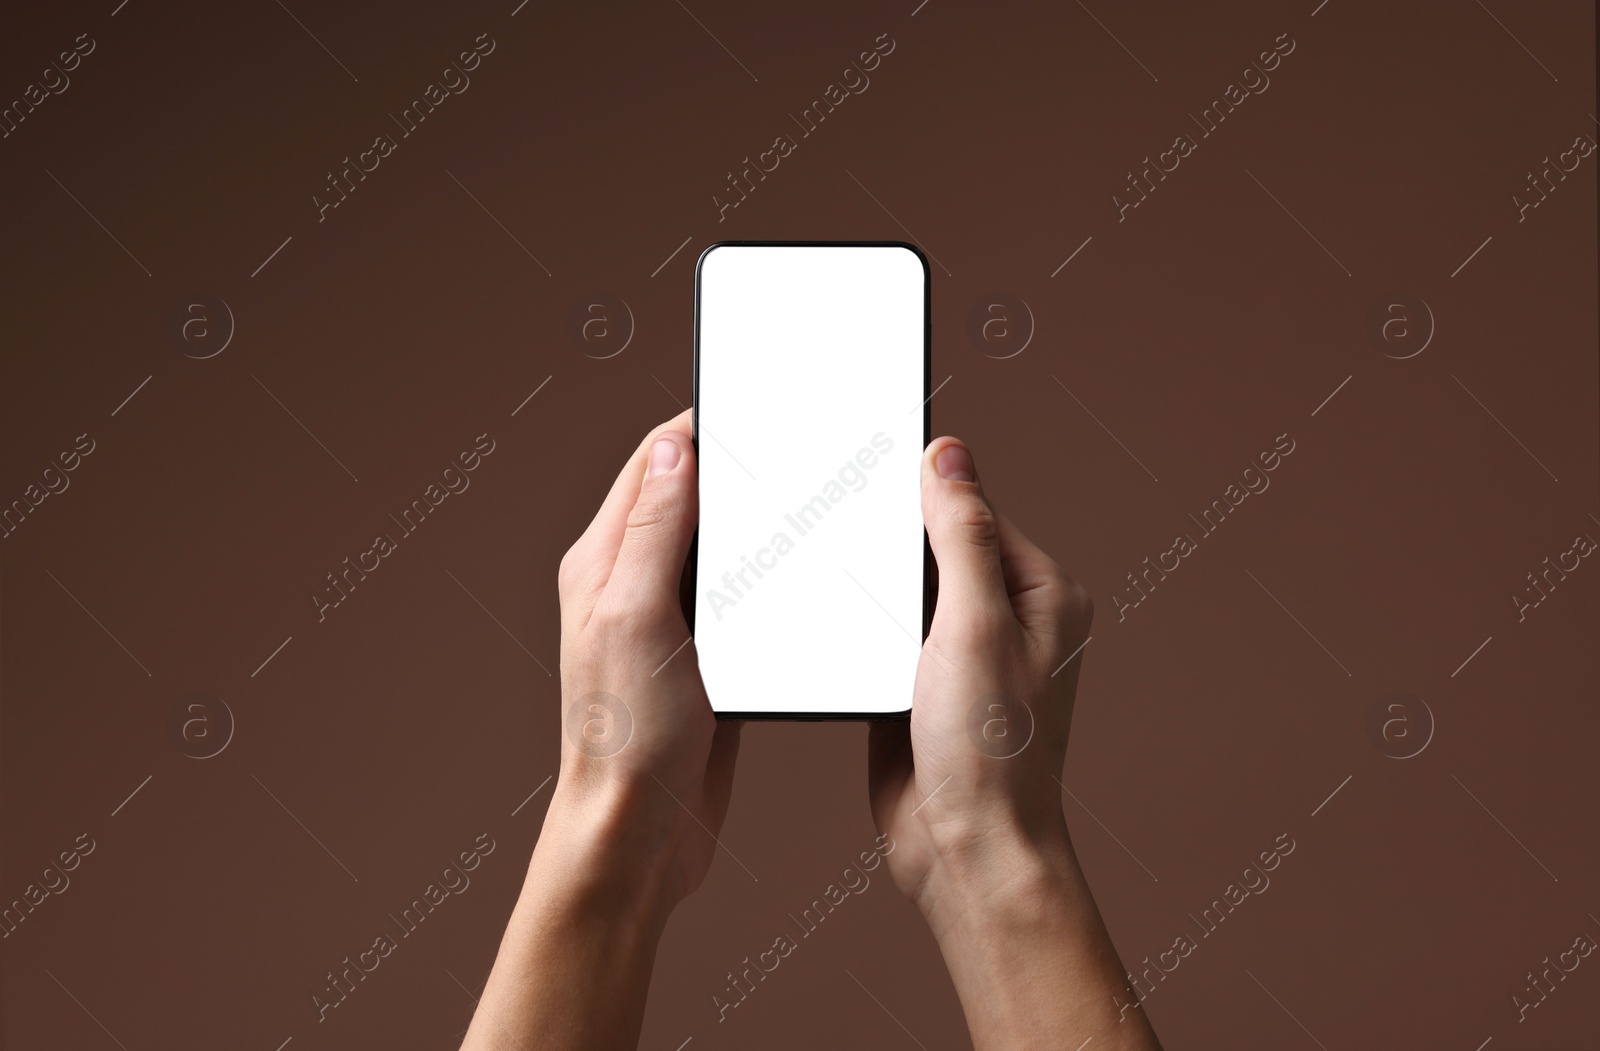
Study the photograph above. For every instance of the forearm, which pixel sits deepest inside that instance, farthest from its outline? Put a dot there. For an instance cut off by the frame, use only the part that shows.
(1027, 950)
(574, 965)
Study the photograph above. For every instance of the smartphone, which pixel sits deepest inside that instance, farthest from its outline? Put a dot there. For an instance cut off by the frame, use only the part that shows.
(810, 569)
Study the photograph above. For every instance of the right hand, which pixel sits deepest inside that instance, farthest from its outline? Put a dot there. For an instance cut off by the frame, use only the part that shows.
(952, 788)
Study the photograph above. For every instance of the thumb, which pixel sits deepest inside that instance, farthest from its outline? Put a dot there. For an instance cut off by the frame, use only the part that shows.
(963, 531)
(661, 525)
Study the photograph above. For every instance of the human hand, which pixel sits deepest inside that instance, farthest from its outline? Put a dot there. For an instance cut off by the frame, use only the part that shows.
(644, 763)
(969, 789)
(646, 771)
(973, 777)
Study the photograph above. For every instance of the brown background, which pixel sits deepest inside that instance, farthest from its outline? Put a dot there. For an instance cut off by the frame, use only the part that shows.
(409, 321)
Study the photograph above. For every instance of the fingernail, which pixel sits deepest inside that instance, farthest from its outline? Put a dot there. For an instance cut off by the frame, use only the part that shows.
(664, 456)
(954, 463)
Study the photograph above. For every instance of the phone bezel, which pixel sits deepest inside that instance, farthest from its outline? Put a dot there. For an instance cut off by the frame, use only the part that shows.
(929, 580)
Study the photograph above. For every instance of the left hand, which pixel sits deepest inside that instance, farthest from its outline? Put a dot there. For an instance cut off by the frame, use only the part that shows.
(644, 762)
(646, 771)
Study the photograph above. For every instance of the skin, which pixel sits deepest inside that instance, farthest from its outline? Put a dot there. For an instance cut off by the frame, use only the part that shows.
(981, 843)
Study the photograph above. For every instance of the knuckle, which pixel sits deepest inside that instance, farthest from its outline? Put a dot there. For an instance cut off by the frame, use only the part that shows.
(974, 521)
(1055, 583)
(1066, 599)
(1078, 605)
(649, 514)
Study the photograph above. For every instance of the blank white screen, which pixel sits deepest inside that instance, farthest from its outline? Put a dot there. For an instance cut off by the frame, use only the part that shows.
(808, 595)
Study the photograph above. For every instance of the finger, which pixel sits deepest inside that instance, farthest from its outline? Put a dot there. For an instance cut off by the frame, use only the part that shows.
(594, 552)
(658, 529)
(964, 533)
(1035, 585)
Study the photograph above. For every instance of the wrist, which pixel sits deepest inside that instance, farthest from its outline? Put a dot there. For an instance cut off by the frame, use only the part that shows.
(998, 876)
(576, 958)
(1025, 945)
(602, 855)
